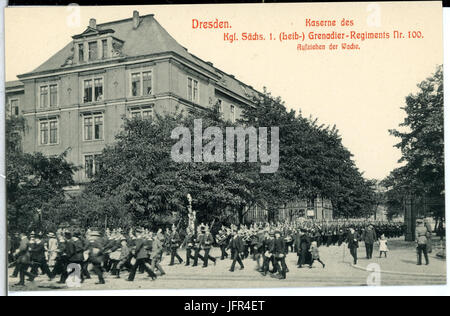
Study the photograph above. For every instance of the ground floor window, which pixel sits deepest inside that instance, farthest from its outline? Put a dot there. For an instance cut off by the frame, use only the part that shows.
(91, 165)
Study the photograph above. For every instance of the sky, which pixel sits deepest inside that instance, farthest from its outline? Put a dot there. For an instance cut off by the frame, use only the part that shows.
(360, 91)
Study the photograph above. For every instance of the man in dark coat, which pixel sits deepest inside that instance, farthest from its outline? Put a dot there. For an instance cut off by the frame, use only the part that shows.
(142, 257)
(237, 247)
(279, 252)
(38, 260)
(303, 245)
(268, 253)
(353, 244)
(23, 259)
(369, 237)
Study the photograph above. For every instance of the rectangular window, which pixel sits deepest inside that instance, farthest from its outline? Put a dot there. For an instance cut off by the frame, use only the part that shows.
(220, 105)
(147, 82)
(48, 132)
(93, 51)
(53, 95)
(98, 90)
(195, 94)
(189, 89)
(147, 113)
(91, 165)
(93, 127)
(136, 84)
(44, 96)
(44, 133)
(87, 91)
(193, 91)
(98, 127)
(14, 107)
(233, 113)
(53, 132)
(93, 90)
(142, 113)
(104, 49)
(80, 52)
(136, 114)
(88, 128)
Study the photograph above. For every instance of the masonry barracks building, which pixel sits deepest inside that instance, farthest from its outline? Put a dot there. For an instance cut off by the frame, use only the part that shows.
(77, 99)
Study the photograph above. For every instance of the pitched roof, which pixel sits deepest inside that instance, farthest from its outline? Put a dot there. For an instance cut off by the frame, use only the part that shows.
(147, 39)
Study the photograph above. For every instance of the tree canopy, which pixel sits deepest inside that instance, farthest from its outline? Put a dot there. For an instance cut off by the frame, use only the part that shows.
(421, 134)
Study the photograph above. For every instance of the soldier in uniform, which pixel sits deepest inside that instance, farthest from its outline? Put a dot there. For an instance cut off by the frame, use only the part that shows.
(237, 247)
(141, 255)
(189, 245)
(206, 243)
(222, 239)
(174, 244)
(422, 241)
(157, 252)
(197, 246)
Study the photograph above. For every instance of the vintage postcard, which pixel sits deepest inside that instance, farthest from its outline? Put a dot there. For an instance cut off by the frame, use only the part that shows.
(224, 146)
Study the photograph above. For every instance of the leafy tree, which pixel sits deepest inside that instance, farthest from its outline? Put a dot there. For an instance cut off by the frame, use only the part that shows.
(32, 179)
(422, 146)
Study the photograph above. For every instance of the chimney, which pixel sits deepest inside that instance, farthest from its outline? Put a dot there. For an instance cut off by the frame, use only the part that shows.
(136, 19)
(93, 23)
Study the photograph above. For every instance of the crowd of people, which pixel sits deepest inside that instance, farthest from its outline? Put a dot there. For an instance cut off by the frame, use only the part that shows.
(67, 251)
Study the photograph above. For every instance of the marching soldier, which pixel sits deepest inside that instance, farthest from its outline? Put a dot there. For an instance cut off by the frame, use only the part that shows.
(222, 239)
(189, 244)
(157, 252)
(141, 255)
(197, 246)
(174, 244)
(206, 243)
(237, 247)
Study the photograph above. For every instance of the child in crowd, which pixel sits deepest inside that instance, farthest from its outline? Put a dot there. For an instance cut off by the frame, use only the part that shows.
(315, 254)
(383, 246)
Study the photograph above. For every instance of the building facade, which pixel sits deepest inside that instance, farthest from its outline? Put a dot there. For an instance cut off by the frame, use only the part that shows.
(76, 101)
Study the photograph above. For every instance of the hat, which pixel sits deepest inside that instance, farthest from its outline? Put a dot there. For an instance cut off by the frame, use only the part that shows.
(51, 235)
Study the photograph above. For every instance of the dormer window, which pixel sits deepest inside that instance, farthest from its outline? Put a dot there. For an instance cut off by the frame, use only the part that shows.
(104, 49)
(96, 43)
(93, 51)
(81, 52)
